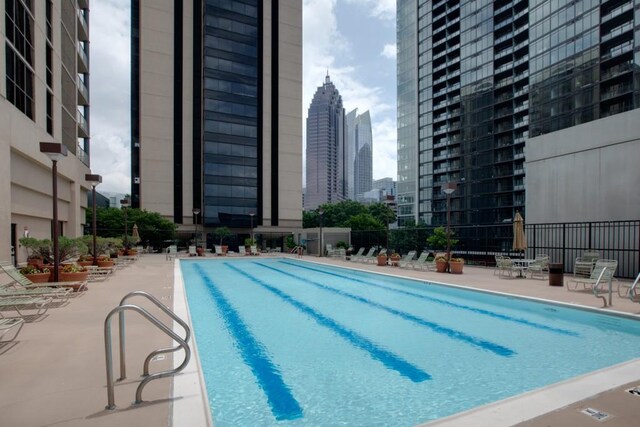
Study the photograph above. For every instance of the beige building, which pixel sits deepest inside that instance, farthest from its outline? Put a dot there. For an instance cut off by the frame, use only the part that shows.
(216, 113)
(44, 97)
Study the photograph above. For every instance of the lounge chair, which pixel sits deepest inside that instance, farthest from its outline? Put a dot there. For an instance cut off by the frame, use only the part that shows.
(254, 250)
(7, 324)
(366, 256)
(407, 259)
(16, 290)
(97, 273)
(588, 283)
(21, 280)
(412, 264)
(354, 257)
(584, 264)
(192, 251)
(426, 264)
(218, 249)
(40, 304)
(374, 258)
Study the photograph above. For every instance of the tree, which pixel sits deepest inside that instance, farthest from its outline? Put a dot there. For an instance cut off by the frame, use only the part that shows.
(364, 221)
(334, 214)
(382, 213)
(152, 227)
(221, 233)
(438, 240)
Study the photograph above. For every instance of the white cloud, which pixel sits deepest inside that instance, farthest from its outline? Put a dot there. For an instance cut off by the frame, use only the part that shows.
(389, 51)
(382, 9)
(110, 94)
(385, 148)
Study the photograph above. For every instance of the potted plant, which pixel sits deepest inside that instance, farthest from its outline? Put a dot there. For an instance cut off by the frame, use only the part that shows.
(441, 263)
(73, 273)
(456, 265)
(395, 259)
(222, 233)
(105, 262)
(35, 274)
(382, 259)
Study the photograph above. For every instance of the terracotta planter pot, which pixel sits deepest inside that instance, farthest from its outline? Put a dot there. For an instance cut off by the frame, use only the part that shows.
(38, 277)
(84, 263)
(382, 260)
(441, 266)
(80, 276)
(132, 252)
(455, 267)
(105, 263)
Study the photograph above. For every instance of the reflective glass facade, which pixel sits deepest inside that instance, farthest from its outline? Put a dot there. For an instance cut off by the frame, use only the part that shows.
(491, 74)
(231, 110)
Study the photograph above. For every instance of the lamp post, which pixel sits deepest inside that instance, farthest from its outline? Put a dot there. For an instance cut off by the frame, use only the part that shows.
(196, 212)
(94, 180)
(251, 215)
(55, 151)
(124, 203)
(320, 212)
(448, 189)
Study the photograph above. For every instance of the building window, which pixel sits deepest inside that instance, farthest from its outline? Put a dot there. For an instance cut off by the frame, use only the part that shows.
(49, 113)
(19, 55)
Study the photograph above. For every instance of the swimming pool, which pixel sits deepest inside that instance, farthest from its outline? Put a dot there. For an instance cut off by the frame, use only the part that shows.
(290, 342)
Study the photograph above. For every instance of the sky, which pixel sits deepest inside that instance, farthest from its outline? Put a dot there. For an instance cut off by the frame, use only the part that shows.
(354, 40)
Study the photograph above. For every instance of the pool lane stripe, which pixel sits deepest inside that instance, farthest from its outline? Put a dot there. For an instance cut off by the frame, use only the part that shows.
(443, 302)
(388, 359)
(433, 326)
(283, 405)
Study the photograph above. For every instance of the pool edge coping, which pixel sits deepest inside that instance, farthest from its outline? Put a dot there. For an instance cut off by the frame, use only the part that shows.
(189, 394)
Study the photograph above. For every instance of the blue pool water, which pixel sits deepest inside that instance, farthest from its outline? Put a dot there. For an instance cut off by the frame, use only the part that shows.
(286, 342)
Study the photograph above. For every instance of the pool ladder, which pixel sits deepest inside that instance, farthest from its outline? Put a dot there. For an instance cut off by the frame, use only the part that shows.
(182, 344)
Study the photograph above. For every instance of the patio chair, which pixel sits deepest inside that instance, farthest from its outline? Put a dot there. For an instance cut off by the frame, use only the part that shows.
(171, 252)
(407, 259)
(192, 251)
(540, 267)
(219, 251)
(17, 290)
(7, 324)
(508, 266)
(253, 250)
(583, 266)
(589, 282)
(358, 254)
(498, 264)
(98, 274)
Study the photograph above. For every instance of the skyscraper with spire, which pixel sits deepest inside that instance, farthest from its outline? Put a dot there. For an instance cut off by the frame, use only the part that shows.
(326, 154)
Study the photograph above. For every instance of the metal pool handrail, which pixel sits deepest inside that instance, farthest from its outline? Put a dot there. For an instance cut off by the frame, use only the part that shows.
(155, 352)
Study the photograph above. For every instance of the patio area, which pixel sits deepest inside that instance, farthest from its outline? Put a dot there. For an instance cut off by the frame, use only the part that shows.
(54, 371)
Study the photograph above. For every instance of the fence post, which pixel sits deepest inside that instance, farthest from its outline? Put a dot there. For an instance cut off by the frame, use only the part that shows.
(589, 228)
(564, 235)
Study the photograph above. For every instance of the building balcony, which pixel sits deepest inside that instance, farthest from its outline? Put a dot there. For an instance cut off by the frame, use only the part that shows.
(83, 92)
(617, 11)
(83, 59)
(618, 50)
(628, 26)
(83, 125)
(83, 27)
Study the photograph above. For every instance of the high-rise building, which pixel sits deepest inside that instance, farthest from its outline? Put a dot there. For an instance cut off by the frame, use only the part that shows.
(326, 154)
(387, 185)
(44, 97)
(358, 154)
(363, 165)
(216, 118)
(477, 79)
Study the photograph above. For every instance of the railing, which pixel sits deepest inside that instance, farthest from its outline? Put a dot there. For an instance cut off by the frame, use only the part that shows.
(564, 242)
(182, 344)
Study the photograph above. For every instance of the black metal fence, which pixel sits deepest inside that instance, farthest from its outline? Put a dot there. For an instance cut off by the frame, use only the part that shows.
(563, 242)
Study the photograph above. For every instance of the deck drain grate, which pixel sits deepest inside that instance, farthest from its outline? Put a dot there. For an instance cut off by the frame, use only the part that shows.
(635, 391)
(595, 414)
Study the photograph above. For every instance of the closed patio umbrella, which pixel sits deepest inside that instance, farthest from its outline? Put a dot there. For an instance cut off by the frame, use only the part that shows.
(135, 235)
(519, 239)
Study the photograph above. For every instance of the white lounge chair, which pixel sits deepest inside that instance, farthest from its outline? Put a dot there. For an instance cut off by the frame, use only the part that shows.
(407, 259)
(192, 251)
(171, 252)
(584, 264)
(588, 283)
(368, 255)
(7, 324)
(539, 267)
(354, 257)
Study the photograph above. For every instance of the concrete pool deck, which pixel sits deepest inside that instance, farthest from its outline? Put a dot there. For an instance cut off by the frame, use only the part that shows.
(54, 371)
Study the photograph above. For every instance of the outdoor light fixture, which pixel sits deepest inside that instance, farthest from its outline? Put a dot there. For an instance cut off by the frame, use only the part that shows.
(251, 215)
(56, 152)
(124, 203)
(196, 212)
(448, 189)
(320, 250)
(93, 180)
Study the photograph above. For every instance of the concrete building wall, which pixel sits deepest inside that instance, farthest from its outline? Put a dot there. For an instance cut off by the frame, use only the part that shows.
(25, 173)
(585, 173)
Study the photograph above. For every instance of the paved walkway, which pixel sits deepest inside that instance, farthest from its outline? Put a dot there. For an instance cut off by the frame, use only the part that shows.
(54, 374)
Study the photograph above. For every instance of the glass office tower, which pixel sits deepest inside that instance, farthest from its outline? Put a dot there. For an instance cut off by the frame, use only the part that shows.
(491, 74)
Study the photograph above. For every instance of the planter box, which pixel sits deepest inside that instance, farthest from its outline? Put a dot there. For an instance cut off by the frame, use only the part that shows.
(38, 277)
